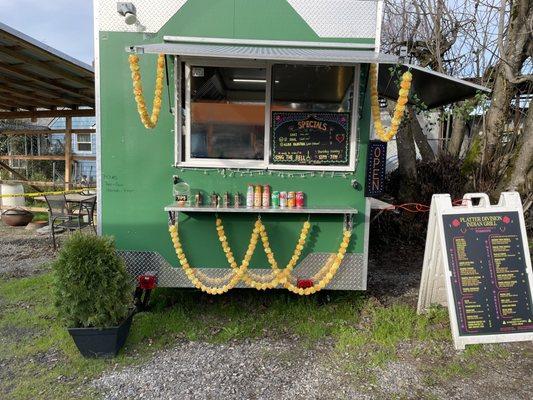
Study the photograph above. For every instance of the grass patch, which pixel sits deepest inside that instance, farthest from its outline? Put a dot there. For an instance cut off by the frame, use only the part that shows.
(42, 361)
(384, 328)
(40, 216)
(448, 367)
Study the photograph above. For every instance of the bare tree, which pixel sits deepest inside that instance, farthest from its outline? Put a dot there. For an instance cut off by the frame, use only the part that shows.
(515, 45)
(487, 40)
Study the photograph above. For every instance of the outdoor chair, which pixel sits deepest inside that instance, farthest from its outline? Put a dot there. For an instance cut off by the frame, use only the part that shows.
(87, 207)
(65, 215)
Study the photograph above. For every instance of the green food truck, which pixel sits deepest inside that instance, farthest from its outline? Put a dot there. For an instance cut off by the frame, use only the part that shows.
(252, 165)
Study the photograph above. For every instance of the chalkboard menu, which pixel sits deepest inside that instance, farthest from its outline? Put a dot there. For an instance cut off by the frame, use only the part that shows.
(304, 138)
(489, 279)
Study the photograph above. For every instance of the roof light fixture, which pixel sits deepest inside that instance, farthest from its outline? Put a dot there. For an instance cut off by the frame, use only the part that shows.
(249, 80)
(128, 11)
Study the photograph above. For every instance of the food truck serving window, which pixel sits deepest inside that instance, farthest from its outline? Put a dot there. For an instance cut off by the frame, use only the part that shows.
(278, 116)
(227, 113)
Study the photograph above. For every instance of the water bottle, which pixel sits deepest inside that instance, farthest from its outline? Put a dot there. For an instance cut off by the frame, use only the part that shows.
(181, 192)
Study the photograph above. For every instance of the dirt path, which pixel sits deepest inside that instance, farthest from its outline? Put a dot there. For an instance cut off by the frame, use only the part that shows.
(22, 252)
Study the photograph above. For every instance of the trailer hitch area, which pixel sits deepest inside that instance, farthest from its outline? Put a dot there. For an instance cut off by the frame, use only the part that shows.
(145, 284)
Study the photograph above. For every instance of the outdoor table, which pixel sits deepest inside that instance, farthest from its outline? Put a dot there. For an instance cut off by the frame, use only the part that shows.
(72, 197)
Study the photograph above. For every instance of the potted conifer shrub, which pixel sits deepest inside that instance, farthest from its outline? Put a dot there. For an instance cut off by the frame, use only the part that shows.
(93, 294)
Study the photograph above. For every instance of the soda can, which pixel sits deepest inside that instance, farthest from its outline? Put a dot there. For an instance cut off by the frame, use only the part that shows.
(198, 200)
(266, 196)
(250, 196)
(275, 199)
(283, 199)
(226, 200)
(236, 200)
(299, 199)
(214, 200)
(291, 199)
(258, 195)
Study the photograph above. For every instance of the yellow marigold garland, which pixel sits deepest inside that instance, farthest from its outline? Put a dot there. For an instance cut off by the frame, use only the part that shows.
(405, 86)
(260, 282)
(325, 274)
(331, 270)
(269, 281)
(149, 121)
(191, 273)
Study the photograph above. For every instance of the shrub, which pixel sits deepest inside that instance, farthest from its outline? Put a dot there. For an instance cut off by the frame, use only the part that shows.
(92, 287)
(442, 175)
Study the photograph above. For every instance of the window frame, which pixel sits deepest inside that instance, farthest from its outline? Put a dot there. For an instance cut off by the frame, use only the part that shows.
(90, 142)
(182, 123)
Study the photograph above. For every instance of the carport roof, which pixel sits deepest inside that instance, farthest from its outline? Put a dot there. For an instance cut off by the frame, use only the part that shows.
(36, 78)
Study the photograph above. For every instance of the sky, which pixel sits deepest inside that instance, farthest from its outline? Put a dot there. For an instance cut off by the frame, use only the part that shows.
(66, 25)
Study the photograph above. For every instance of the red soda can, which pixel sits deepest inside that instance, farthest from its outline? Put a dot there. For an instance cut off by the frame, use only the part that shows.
(283, 199)
(299, 199)
(291, 199)
(266, 196)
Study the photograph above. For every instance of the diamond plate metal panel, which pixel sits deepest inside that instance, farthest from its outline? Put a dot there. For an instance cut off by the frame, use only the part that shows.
(152, 15)
(350, 276)
(339, 18)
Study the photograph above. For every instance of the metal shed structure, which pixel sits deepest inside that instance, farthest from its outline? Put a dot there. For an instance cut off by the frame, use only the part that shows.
(38, 81)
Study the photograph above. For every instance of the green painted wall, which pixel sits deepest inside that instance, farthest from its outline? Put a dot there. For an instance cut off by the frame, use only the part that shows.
(136, 162)
(245, 19)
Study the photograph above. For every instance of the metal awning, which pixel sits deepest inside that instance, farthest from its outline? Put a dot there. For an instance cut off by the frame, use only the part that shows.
(340, 56)
(432, 88)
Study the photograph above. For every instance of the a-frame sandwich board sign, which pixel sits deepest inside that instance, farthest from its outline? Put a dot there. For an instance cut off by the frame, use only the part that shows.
(477, 262)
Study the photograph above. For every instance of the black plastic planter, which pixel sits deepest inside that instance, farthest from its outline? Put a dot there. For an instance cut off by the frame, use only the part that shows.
(101, 342)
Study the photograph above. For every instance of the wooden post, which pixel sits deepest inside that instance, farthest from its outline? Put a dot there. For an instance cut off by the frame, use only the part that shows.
(68, 151)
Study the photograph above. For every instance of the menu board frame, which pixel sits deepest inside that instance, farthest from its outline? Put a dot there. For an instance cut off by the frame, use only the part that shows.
(437, 278)
(281, 119)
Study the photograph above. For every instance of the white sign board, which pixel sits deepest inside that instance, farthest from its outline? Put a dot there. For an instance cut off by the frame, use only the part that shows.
(477, 263)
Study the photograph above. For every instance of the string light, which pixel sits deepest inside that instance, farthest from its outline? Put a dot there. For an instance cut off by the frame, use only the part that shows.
(230, 173)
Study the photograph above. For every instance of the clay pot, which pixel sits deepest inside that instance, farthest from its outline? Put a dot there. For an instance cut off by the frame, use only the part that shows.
(36, 225)
(17, 217)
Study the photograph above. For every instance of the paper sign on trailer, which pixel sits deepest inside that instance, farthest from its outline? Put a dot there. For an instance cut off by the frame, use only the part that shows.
(477, 259)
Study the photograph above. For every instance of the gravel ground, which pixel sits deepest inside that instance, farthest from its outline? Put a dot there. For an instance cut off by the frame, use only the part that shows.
(288, 368)
(23, 252)
(284, 370)
(259, 369)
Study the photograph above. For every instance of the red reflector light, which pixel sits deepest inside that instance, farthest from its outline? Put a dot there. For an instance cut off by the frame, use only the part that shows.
(147, 282)
(304, 283)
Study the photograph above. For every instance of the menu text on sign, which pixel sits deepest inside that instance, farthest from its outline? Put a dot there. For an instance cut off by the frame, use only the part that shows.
(489, 279)
(321, 138)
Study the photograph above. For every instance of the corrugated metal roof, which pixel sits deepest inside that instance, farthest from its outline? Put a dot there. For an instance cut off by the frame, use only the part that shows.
(35, 76)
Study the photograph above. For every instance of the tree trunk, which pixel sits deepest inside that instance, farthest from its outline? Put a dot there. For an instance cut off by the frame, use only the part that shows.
(421, 140)
(520, 174)
(513, 53)
(496, 119)
(405, 146)
(458, 134)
